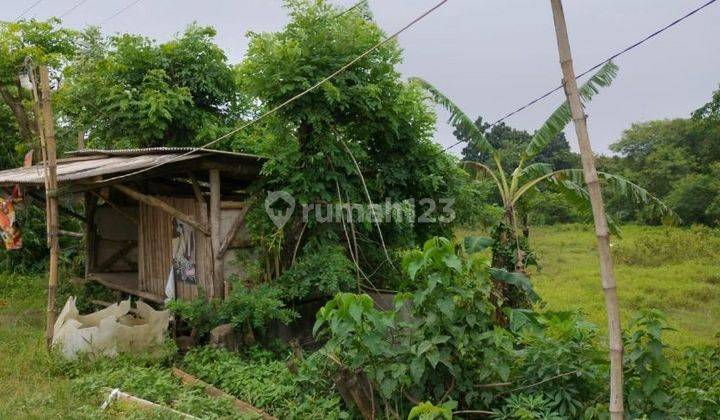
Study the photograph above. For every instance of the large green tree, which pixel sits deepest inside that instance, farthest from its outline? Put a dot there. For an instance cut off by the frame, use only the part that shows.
(366, 115)
(676, 159)
(24, 44)
(129, 91)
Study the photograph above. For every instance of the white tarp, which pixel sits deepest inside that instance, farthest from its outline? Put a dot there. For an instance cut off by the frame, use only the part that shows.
(109, 331)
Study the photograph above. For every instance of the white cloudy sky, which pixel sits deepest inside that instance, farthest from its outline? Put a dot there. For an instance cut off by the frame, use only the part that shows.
(490, 56)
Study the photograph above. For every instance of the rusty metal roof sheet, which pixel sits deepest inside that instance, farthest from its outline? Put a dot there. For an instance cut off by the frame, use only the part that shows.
(87, 164)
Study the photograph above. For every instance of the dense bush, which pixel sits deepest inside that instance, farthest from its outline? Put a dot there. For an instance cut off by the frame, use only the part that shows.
(443, 344)
(321, 271)
(249, 309)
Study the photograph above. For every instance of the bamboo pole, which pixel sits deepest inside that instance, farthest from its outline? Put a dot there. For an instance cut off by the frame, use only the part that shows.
(52, 202)
(220, 286)
(601, 226)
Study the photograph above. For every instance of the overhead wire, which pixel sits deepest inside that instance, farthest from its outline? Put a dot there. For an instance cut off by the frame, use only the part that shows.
(350, 9)
(596, 66)
(288, 101)
(119, 12)
(29, 8)
(72, 9)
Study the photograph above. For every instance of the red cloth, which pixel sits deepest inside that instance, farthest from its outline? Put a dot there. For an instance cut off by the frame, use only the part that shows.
(10, 230)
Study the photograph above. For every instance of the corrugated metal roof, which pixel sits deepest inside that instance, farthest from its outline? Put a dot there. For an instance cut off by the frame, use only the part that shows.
(90, 163)
(75, 169)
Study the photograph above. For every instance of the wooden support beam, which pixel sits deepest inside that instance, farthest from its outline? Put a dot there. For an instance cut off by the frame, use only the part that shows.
(90, 232)
(219, 284)
(117, 208)
(115, 257)
(70, 234)
(233, 205)
(130, 291)
(239, 221)
(242, 406)
(167, 208)
(196, 189)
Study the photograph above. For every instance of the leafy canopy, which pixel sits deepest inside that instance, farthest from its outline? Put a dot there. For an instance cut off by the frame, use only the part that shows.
(129, 91)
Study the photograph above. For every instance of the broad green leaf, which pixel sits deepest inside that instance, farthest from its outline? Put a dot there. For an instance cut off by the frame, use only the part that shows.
(473, 244)
(516, 279)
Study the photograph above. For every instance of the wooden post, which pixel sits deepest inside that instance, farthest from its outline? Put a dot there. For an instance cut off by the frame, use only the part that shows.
(90, 233)
(219, 284)
(601, 226)
(52, 201)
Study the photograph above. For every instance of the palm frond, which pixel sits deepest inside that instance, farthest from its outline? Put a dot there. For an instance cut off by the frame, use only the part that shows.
(575, 193)
(562, 115)
(535, 170)
(457, 119)
(625, 188)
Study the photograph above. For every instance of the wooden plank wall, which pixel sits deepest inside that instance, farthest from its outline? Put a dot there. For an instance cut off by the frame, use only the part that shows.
(155, 249)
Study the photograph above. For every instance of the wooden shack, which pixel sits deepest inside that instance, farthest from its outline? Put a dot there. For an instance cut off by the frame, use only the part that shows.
(141, 205)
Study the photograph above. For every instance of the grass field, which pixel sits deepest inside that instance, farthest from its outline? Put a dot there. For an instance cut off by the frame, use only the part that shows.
(675, 270)
(31, 388)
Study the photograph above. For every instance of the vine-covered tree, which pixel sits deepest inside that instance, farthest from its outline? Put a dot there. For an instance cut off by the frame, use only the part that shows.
(366, 127)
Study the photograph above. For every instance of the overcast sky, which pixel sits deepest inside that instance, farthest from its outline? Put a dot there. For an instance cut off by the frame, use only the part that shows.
(489, 56)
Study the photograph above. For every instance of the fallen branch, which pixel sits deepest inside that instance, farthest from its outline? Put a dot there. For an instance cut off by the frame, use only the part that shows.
(242, 406)
(118, 395)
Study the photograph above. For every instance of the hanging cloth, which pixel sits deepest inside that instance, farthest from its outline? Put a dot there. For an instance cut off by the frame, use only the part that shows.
(9, 228)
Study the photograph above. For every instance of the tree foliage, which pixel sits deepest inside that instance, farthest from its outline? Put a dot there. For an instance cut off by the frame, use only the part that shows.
(129, 91)
(365, 127)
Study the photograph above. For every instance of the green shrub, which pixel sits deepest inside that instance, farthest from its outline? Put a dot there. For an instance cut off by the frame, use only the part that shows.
(695, 390)
(647, 370)
(245, 308)
(558, 360)
(264, 382)
(320, 271)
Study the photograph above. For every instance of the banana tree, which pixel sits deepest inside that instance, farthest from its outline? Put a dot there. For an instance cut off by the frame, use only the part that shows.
(513, 185)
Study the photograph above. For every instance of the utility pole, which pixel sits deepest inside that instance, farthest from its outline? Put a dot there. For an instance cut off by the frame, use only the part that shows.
(601, 226)
(48, 133)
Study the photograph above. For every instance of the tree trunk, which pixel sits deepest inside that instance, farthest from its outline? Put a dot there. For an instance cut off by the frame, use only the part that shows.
(24, 123)
(601, 227)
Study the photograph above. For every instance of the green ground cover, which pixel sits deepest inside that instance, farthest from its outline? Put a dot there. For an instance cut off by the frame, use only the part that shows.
(671, 269)
(674, 270)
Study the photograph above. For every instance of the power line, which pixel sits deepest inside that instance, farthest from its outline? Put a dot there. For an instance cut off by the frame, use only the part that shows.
(596, 66)
(32, 6)
(294, 98)
(350, 9)
(120, 11)
(72, 9)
